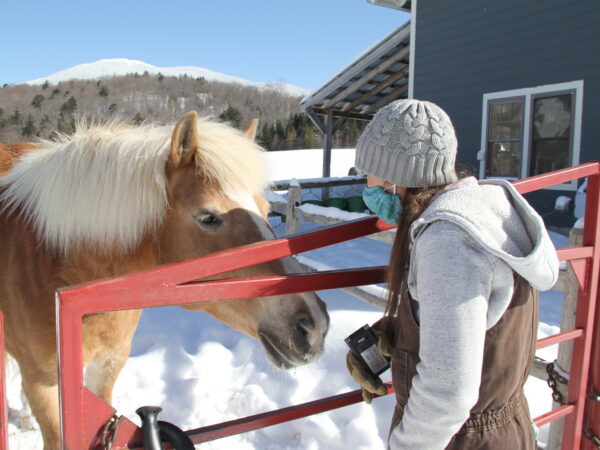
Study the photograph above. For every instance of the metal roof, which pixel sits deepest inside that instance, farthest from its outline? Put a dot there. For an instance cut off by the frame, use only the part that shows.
(403, 5)
(374, 79)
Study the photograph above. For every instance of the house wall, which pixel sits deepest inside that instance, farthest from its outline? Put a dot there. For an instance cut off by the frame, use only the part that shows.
(467, 48)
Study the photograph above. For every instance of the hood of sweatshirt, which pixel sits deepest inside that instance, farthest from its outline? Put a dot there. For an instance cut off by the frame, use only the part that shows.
(502, 222)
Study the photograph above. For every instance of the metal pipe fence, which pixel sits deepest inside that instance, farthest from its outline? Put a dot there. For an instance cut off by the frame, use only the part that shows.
(84, 416)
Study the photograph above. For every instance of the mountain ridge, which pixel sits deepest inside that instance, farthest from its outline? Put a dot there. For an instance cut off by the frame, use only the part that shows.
(111, 67)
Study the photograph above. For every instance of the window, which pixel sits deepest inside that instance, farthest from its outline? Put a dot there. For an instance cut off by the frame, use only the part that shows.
(551, 136)
(531, 131)
(505, 138)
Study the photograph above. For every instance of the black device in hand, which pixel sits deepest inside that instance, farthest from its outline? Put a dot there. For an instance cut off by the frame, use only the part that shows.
(363, 343)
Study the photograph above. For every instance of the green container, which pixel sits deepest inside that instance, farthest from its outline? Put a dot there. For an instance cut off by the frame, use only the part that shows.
(313, 202)
(356, 204)
(336, 202)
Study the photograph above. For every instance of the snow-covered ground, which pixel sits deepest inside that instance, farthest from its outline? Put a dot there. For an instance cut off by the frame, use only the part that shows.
(202, 372)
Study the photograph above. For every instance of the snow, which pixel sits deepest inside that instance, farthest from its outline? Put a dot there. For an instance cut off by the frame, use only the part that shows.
(333, 213)
(562, 203)
(122, 66)
(202, 372)
(301, 164)
(579, 210)
(273, 197)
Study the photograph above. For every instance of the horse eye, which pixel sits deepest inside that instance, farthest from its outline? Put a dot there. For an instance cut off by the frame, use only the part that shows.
(207, 220)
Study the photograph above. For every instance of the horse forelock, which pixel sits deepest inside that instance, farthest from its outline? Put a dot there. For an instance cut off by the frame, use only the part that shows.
(230, 158)
(106, 186)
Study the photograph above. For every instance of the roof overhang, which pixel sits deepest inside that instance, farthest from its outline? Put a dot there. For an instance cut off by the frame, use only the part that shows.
(402, 5)
(374, 79)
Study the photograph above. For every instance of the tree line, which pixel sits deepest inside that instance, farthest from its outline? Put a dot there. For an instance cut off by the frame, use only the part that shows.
(42, 111)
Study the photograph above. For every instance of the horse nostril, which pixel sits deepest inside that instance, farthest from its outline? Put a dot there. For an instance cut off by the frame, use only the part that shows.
(305, 325)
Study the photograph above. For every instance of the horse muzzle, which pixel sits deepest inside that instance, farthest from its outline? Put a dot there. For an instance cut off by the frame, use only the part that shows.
(301, 342)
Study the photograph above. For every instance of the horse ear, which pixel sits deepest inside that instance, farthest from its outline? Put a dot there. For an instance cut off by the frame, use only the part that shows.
(250, 130)
(184, 141)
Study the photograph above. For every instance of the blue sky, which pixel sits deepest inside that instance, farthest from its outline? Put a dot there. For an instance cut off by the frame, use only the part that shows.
(301, 42)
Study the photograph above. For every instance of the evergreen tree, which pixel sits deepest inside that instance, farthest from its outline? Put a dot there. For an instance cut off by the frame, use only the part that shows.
(45, 85)
(65, 126)
(232, 116)
(290, 135)
(37, 101)
(112, 108)
(69, 107)
(44, 122)
(307, 136)
(138, 119)
(16, 118)
(279, 129)
(55, 92)
(29, 129)
(103, 92)
(265, 138)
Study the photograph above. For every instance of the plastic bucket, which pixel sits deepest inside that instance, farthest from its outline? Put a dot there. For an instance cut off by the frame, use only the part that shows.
(336, 202)
(356, 204)
(313, 202)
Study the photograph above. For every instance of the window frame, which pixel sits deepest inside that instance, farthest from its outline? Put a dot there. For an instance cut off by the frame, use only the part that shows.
(575, 88)
(500, 101)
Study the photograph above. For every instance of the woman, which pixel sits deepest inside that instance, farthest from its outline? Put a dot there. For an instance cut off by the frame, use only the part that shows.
(461, 318)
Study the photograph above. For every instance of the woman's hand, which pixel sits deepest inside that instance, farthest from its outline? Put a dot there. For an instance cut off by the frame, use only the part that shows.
(369, 383)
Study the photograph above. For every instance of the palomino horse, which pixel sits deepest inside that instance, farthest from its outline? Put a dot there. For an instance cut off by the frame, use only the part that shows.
(113, 199)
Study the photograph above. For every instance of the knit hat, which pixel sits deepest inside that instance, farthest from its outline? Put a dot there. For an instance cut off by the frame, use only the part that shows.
(409, 143)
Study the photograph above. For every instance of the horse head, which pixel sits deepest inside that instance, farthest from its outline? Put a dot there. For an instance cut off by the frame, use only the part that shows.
(215, 179)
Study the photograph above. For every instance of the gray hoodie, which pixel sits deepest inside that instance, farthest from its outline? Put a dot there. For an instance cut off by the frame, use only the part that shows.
(465, 247)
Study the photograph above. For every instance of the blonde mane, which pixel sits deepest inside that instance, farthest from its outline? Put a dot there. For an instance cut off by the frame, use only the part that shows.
(106, 186)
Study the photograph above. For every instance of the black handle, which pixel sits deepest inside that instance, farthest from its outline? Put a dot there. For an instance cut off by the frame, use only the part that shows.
(175, 436)
(150, 428)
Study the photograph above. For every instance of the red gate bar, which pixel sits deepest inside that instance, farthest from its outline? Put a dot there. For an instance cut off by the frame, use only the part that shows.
(553, 415)
(545, 180)
(275, 417)
(558, 338)
(230, 260)
(584, 319)
(131, 291)
(73, 304)
(228, 289)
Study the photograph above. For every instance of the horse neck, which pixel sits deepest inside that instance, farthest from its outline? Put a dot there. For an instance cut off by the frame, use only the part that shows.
(88, 264)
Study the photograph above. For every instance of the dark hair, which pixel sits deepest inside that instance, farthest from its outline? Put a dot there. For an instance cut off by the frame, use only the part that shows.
(414, 203)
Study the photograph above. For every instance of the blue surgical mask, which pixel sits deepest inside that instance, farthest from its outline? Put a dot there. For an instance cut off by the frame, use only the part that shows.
(386, 205)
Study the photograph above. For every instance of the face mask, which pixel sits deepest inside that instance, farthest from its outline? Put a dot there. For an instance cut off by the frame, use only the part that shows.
(386, 205)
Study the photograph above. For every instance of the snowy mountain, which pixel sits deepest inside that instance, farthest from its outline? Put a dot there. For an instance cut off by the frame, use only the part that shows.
(122, 66)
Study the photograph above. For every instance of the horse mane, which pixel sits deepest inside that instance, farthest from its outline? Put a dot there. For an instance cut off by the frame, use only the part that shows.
(105, 186)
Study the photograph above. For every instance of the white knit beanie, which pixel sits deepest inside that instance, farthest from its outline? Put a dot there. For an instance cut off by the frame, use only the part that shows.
(409, 143)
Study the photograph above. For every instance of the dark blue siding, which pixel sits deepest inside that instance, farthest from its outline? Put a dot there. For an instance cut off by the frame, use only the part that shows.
(467, 48)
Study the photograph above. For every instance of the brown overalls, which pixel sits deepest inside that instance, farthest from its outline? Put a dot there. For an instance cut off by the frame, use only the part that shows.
(500, 418)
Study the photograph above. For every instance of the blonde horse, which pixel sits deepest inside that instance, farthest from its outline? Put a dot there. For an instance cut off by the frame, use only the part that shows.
(113, 199)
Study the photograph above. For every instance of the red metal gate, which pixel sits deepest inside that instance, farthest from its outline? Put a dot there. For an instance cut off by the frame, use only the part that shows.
(84, 416)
